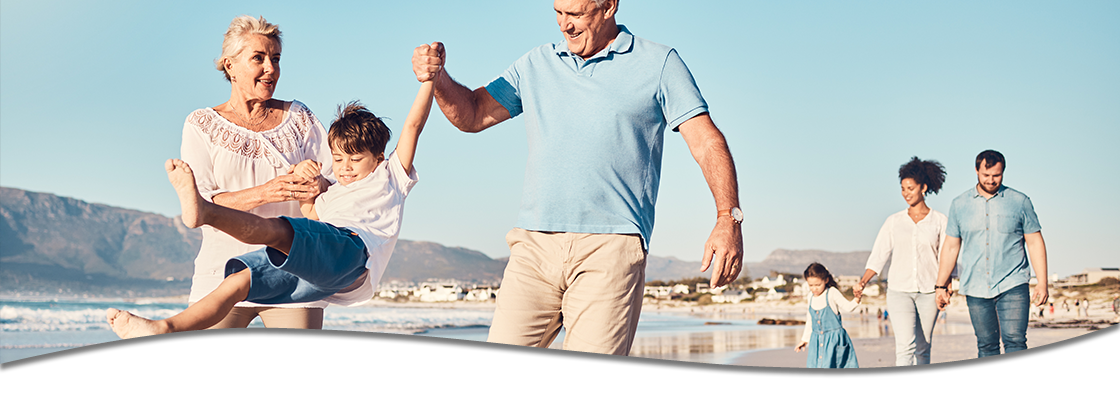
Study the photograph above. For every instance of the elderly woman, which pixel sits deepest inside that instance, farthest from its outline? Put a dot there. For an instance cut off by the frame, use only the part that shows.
(911, 239)
(242, 152)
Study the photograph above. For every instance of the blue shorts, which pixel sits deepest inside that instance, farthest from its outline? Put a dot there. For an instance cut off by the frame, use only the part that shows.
(324, 259)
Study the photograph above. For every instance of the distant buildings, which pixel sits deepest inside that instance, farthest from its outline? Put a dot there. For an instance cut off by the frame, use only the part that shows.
(731, 296)
(1089, 276)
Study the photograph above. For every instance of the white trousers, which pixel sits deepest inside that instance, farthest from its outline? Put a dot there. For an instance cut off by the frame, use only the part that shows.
(912, 317)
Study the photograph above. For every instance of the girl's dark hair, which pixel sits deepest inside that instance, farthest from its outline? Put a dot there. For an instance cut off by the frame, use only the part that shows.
(356, 130)
(927, 172)
(816, 270)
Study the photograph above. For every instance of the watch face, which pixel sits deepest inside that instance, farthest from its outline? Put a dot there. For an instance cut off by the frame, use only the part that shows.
(737, 214)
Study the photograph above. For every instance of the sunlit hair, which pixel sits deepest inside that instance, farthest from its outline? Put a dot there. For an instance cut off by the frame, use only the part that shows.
(929, 172)
(816, 270)
(239, 31)
(990, 158)
(356, 129)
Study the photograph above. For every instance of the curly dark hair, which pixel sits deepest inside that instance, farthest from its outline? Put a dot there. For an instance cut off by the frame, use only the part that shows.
(816, 270)
(356, 129)
(924, 172)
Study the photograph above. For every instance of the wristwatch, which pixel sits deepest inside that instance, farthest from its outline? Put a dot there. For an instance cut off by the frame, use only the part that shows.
(734, 212)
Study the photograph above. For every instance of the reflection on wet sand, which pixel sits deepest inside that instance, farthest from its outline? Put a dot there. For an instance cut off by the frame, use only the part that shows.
(723, 346)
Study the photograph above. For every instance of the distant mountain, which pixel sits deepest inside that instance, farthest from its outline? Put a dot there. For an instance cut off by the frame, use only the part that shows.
(795, 262)
(420, 261)
(93, 239)
(53, 244)
(671, 268)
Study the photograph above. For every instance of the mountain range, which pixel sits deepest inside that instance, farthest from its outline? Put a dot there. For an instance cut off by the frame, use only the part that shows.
(58, 245)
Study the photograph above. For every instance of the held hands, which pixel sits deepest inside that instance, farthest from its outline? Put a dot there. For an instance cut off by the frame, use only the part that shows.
(857, 291)
(942, 298)
(427, 61)
(724, 251)
(307, 169)
(293, 186)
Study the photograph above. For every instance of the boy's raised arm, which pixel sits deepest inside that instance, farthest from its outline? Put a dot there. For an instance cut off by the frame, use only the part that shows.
(414, 124)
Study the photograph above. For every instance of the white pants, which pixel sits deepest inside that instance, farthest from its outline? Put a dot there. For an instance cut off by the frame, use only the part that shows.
(912, 316)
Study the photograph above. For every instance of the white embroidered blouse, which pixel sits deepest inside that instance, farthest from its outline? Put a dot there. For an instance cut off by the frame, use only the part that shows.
(226, 158)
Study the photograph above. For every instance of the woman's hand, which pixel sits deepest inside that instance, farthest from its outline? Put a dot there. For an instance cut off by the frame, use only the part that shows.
(289, 187)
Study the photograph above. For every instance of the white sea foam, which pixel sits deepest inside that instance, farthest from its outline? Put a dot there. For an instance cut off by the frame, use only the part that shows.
(39, 317)
(45, 317)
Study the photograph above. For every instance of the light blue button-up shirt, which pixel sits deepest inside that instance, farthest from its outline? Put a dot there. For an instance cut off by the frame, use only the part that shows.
(993, 256)
(596, 132)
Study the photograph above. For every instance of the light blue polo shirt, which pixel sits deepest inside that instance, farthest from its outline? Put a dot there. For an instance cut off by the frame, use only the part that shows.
(596, 131)
(993, 255)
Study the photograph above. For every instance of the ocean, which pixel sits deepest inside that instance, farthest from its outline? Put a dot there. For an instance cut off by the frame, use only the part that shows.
(699, 334)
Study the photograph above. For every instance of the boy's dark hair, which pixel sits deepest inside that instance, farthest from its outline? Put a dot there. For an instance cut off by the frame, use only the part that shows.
(929, 172)
(816, 270)
(356, 129)
(990, 158)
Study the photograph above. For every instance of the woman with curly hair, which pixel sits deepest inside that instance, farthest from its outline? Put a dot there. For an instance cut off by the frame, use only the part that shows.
(911, 239)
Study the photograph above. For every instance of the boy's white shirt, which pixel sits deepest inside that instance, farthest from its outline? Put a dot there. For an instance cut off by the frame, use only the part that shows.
(372, 207)
(836, 300)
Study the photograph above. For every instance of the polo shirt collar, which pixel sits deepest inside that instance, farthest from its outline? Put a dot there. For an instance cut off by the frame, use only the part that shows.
(622, 43)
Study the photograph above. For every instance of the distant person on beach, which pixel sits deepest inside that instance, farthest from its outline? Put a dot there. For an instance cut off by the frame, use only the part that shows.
(596, 105)
(337, 253)
(828, 344)
(911, 241)
(991, 228)
(242, 152)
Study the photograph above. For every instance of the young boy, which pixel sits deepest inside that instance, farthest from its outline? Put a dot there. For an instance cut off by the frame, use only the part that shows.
(337, 253)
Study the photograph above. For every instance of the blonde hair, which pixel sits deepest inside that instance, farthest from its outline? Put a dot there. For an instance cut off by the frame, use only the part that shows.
(239, 29)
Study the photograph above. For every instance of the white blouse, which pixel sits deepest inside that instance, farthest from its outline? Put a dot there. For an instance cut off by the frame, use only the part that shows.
(836, 300)
(913, 250)
(227, 158)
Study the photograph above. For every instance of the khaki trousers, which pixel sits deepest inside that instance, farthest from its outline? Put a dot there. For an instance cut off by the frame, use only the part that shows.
(290, 353)
(591, 284)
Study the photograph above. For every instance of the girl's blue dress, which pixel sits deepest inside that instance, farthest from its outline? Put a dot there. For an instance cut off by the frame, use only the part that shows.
(829, 345)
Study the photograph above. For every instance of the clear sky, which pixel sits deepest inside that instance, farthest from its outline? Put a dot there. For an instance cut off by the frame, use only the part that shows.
(820, 102)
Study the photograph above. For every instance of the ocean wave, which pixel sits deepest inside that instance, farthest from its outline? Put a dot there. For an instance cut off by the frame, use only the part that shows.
(47, 317)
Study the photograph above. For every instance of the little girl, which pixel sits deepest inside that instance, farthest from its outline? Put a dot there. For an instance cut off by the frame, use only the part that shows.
(828, 343)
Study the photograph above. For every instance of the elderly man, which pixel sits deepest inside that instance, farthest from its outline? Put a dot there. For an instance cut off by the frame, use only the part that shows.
(596, 107)
(988, 227)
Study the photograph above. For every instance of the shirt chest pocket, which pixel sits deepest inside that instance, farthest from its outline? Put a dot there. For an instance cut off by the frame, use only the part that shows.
(1009, 223)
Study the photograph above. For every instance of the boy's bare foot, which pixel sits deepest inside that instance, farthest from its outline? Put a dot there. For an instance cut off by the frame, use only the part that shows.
(129, 326)
(182, 178)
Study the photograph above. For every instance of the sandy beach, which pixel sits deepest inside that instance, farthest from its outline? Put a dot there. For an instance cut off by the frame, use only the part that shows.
(953, 341)
(730, 333)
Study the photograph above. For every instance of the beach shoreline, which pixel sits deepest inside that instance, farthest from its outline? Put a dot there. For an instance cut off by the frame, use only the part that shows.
(729, 334)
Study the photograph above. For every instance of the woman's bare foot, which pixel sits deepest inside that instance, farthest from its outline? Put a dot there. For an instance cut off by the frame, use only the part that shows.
(129, 326)
(182, 178)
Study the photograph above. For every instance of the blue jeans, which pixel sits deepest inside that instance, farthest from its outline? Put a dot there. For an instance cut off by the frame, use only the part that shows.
(1004, 316)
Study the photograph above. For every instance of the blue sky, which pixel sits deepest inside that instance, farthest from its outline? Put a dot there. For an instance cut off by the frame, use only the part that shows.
(820, 102)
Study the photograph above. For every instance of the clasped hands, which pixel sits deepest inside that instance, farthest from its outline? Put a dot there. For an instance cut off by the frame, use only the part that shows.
(302, 182)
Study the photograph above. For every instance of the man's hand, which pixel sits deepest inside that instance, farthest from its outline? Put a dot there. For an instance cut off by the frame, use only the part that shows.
(427, 61)
(857, 291)
(1041, 294)
(724, 251)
